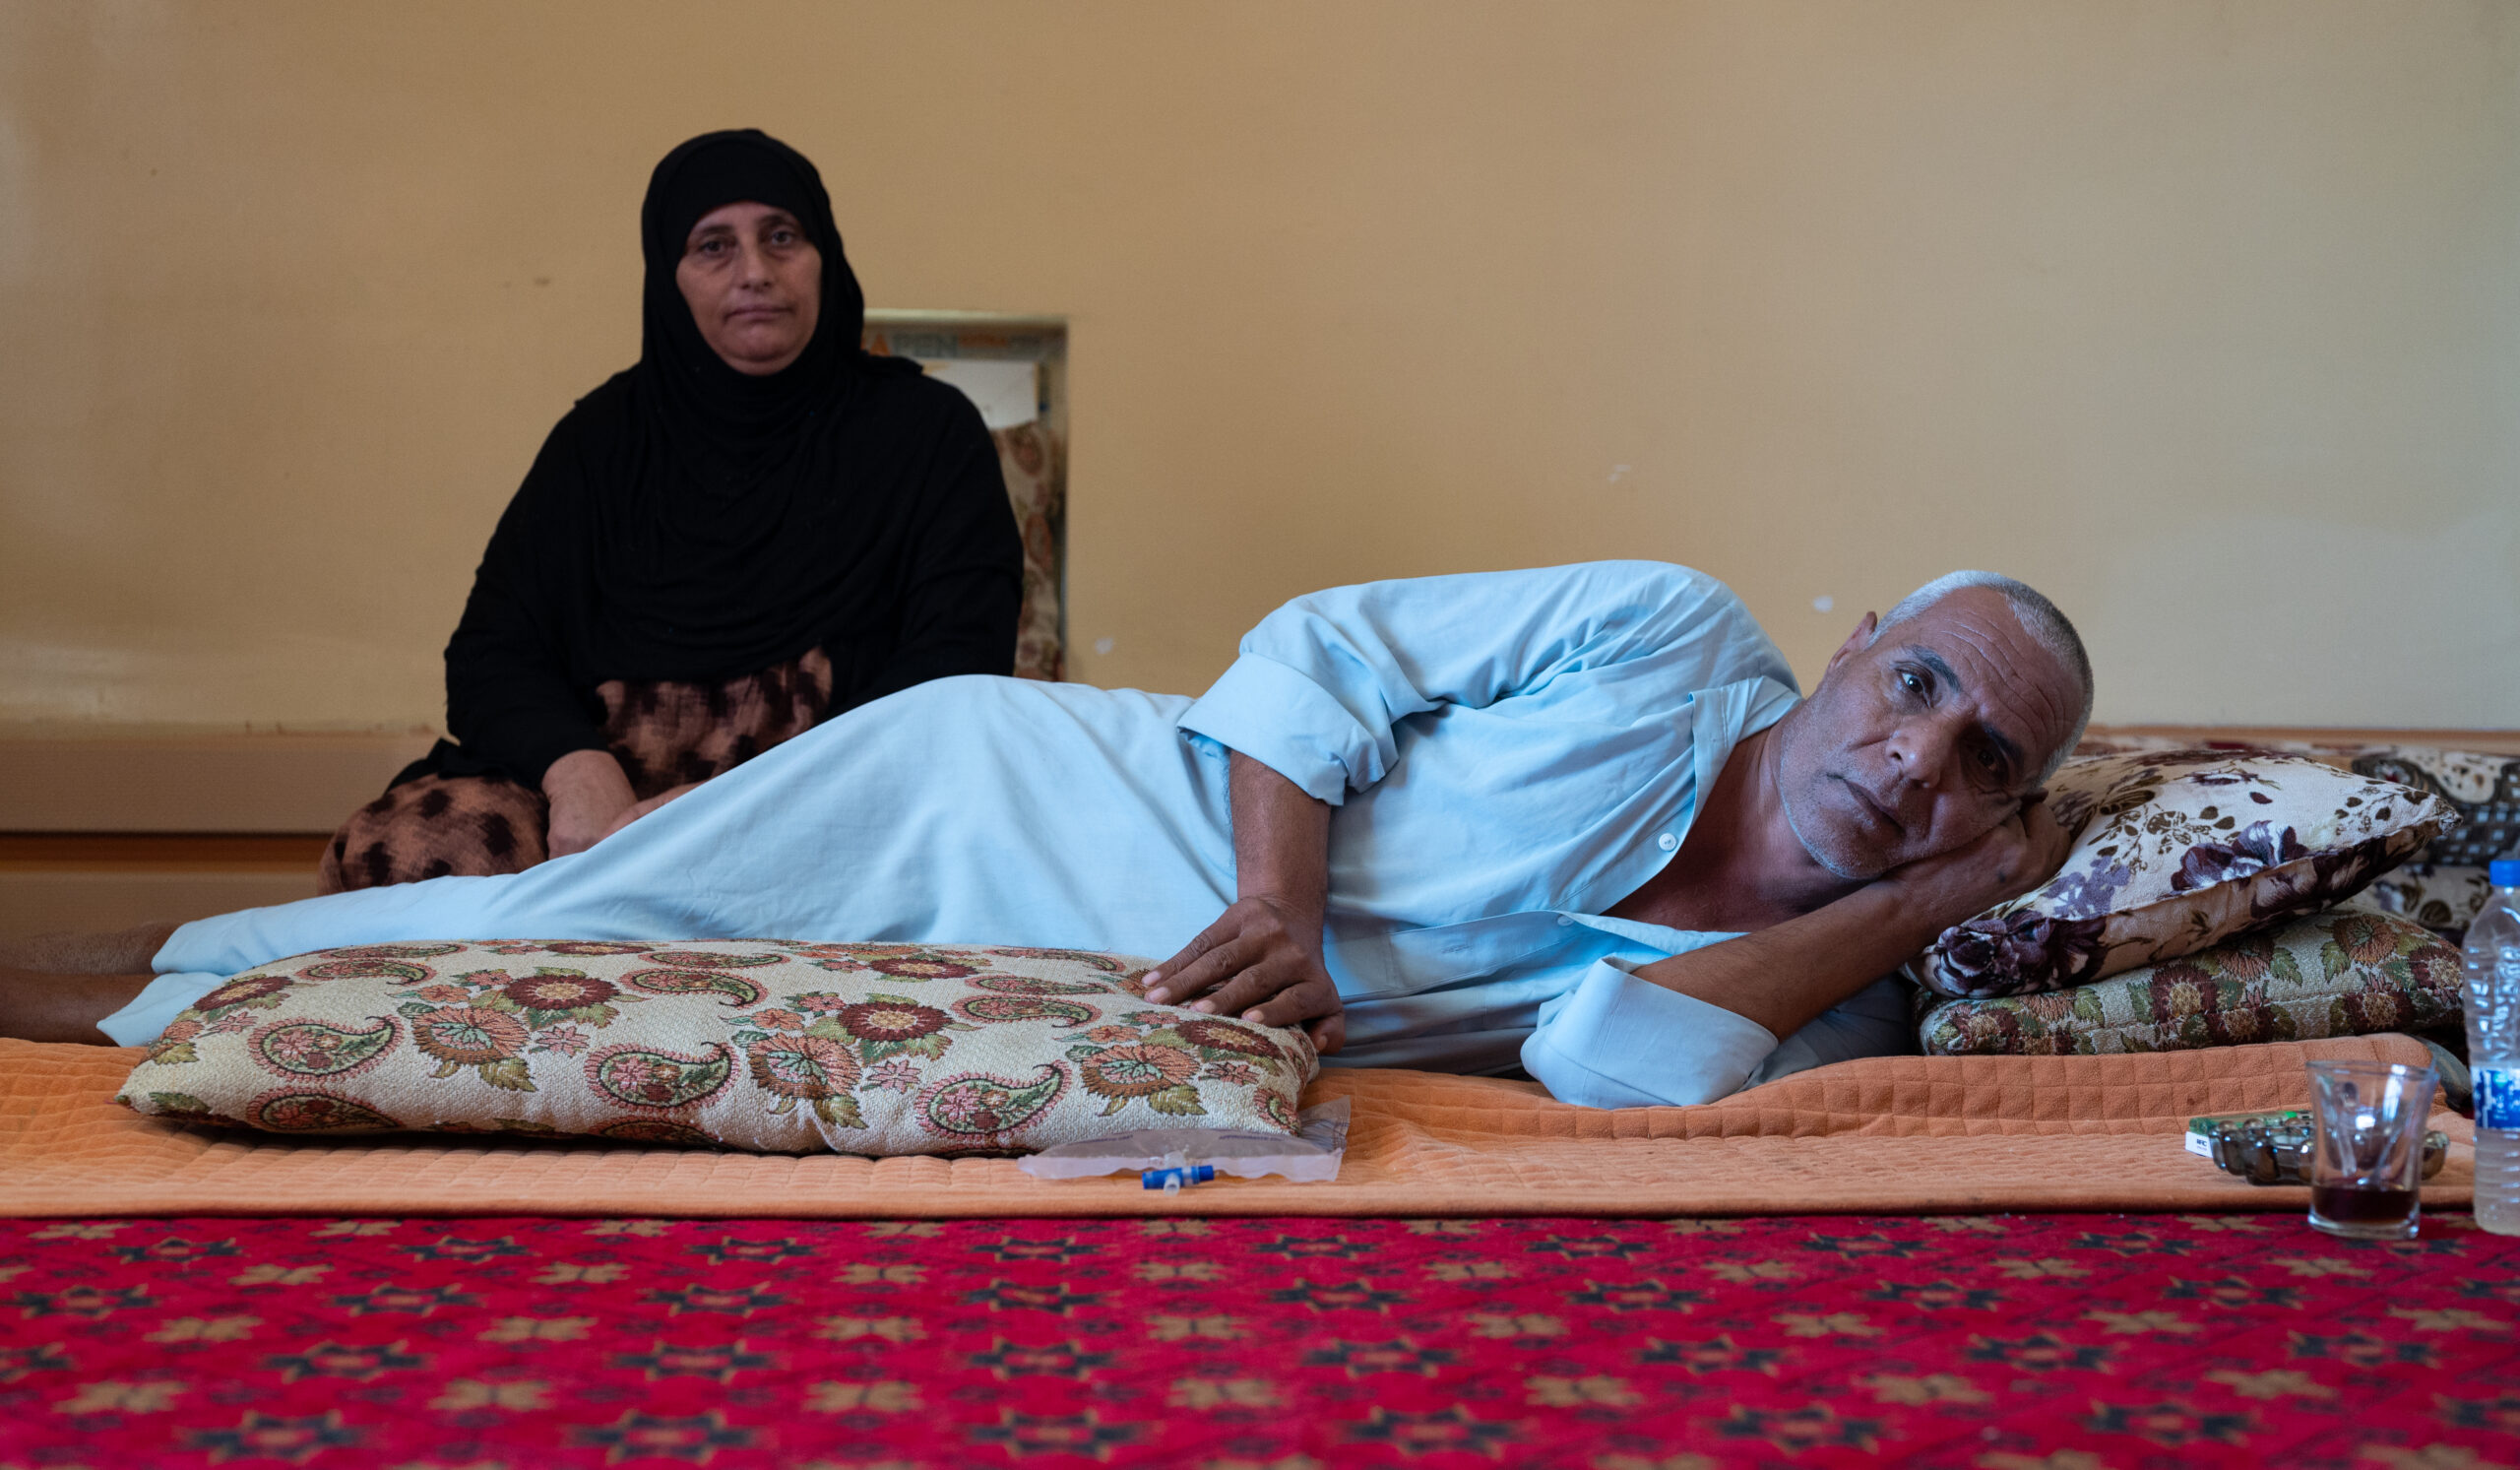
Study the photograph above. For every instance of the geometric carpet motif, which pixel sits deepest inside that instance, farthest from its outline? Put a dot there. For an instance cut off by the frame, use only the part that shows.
(2025, 1342)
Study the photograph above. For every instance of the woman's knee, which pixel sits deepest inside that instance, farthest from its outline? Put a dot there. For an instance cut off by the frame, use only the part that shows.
(477, 826)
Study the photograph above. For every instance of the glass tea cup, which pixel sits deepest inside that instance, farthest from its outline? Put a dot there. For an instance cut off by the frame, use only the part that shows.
(2366, 1156)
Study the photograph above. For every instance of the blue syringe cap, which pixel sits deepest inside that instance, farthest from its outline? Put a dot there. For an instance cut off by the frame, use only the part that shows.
(2503, 872)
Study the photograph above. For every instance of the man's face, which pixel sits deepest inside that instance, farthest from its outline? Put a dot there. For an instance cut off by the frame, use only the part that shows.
(1923, 739)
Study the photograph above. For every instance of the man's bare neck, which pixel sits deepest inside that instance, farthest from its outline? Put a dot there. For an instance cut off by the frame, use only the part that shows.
(1741, 868)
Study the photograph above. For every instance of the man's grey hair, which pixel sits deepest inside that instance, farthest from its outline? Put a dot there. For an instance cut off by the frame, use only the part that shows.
(2046, 628)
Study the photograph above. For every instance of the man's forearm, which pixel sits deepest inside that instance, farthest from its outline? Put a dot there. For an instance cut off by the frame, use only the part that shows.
(1262, 959)
(1281, 841)
(1785, 975)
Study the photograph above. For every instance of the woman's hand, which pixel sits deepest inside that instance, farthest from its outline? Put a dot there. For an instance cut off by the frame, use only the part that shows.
(1262, 961)
(588, 795)
(644, 807)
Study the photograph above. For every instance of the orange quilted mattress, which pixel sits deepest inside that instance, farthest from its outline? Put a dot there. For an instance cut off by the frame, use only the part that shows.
(1889, 1134)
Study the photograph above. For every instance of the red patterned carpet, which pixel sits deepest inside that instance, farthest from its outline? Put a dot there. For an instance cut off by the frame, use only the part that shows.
(2071, 1342)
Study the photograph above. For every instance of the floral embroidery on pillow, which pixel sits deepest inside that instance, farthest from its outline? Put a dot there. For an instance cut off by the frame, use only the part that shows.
(874, 1049)
(2342, 972)
(2442, 886)
(2178, 850)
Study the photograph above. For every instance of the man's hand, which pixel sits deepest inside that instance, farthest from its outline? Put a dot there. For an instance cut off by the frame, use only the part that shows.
(2019, 855)
(589, 794)
(1263, 957)
(1262, 962)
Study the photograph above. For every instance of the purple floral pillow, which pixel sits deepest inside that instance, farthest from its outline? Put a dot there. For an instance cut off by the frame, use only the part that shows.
(2178, 849)
(755, 1043)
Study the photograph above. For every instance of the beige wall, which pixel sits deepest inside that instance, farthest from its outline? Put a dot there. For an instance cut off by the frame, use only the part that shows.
(2204, 317)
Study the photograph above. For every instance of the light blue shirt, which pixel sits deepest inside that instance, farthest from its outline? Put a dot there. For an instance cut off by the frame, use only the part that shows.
(1509, 754)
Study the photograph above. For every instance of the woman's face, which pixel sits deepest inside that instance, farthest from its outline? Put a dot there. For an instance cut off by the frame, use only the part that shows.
(754, 282)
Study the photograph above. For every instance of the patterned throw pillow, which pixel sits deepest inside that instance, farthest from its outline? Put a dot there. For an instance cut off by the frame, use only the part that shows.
(2444, 886)
(2484, 791)
(2346, 972)
(2483, 788)
(2443, 897)
(782, 1048)
(2175, 851)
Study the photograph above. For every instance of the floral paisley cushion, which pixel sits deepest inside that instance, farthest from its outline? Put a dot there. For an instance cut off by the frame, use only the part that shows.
(2176, 850)
(2345, 971)
(783, 1048)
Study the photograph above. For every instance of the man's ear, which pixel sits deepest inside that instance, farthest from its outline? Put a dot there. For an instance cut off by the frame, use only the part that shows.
(1856, 642)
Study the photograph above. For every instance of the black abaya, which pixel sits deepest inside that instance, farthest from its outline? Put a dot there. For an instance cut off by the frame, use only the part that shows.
(688, 521)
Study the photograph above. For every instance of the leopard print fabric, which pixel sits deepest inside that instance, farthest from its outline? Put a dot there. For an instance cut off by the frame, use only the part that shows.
(665, 734)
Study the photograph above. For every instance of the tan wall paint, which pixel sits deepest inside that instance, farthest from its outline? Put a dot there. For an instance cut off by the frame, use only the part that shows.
(2204, 317)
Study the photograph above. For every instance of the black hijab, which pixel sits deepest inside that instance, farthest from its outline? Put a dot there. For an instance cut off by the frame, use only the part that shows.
(726, 430)
(711, 461)
(689, 522)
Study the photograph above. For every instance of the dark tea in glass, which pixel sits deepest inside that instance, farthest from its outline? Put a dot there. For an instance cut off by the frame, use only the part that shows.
(2343, 1204)
(2367, 1153)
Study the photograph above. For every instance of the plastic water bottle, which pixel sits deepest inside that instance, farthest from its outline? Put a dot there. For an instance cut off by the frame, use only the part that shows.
(2493, 1049)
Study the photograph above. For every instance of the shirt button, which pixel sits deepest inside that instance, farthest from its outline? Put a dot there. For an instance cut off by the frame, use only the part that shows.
(1563, 921)
(1666, 842)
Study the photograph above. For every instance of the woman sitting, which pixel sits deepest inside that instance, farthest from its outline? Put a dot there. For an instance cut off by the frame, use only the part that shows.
(755, 528)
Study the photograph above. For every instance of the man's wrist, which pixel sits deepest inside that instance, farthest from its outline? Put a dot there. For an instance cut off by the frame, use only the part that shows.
(1303, 918)
(1901, 912)
(1291, 906)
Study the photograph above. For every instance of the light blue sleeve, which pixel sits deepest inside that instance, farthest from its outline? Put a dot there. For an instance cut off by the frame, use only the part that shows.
(1621, 1042)
(1323, 681)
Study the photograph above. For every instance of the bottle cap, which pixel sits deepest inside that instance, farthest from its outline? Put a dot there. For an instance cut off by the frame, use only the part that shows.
(2503, 872)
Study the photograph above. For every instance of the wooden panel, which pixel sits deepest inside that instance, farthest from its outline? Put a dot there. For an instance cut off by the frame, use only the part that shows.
(56, 881)
(161, 851)
(104, 832)
(63, 782)
(2489, 741)
(40, 903)
(67, 782)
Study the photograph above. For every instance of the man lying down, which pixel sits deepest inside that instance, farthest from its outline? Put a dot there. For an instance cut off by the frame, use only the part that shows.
(1574, 820)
